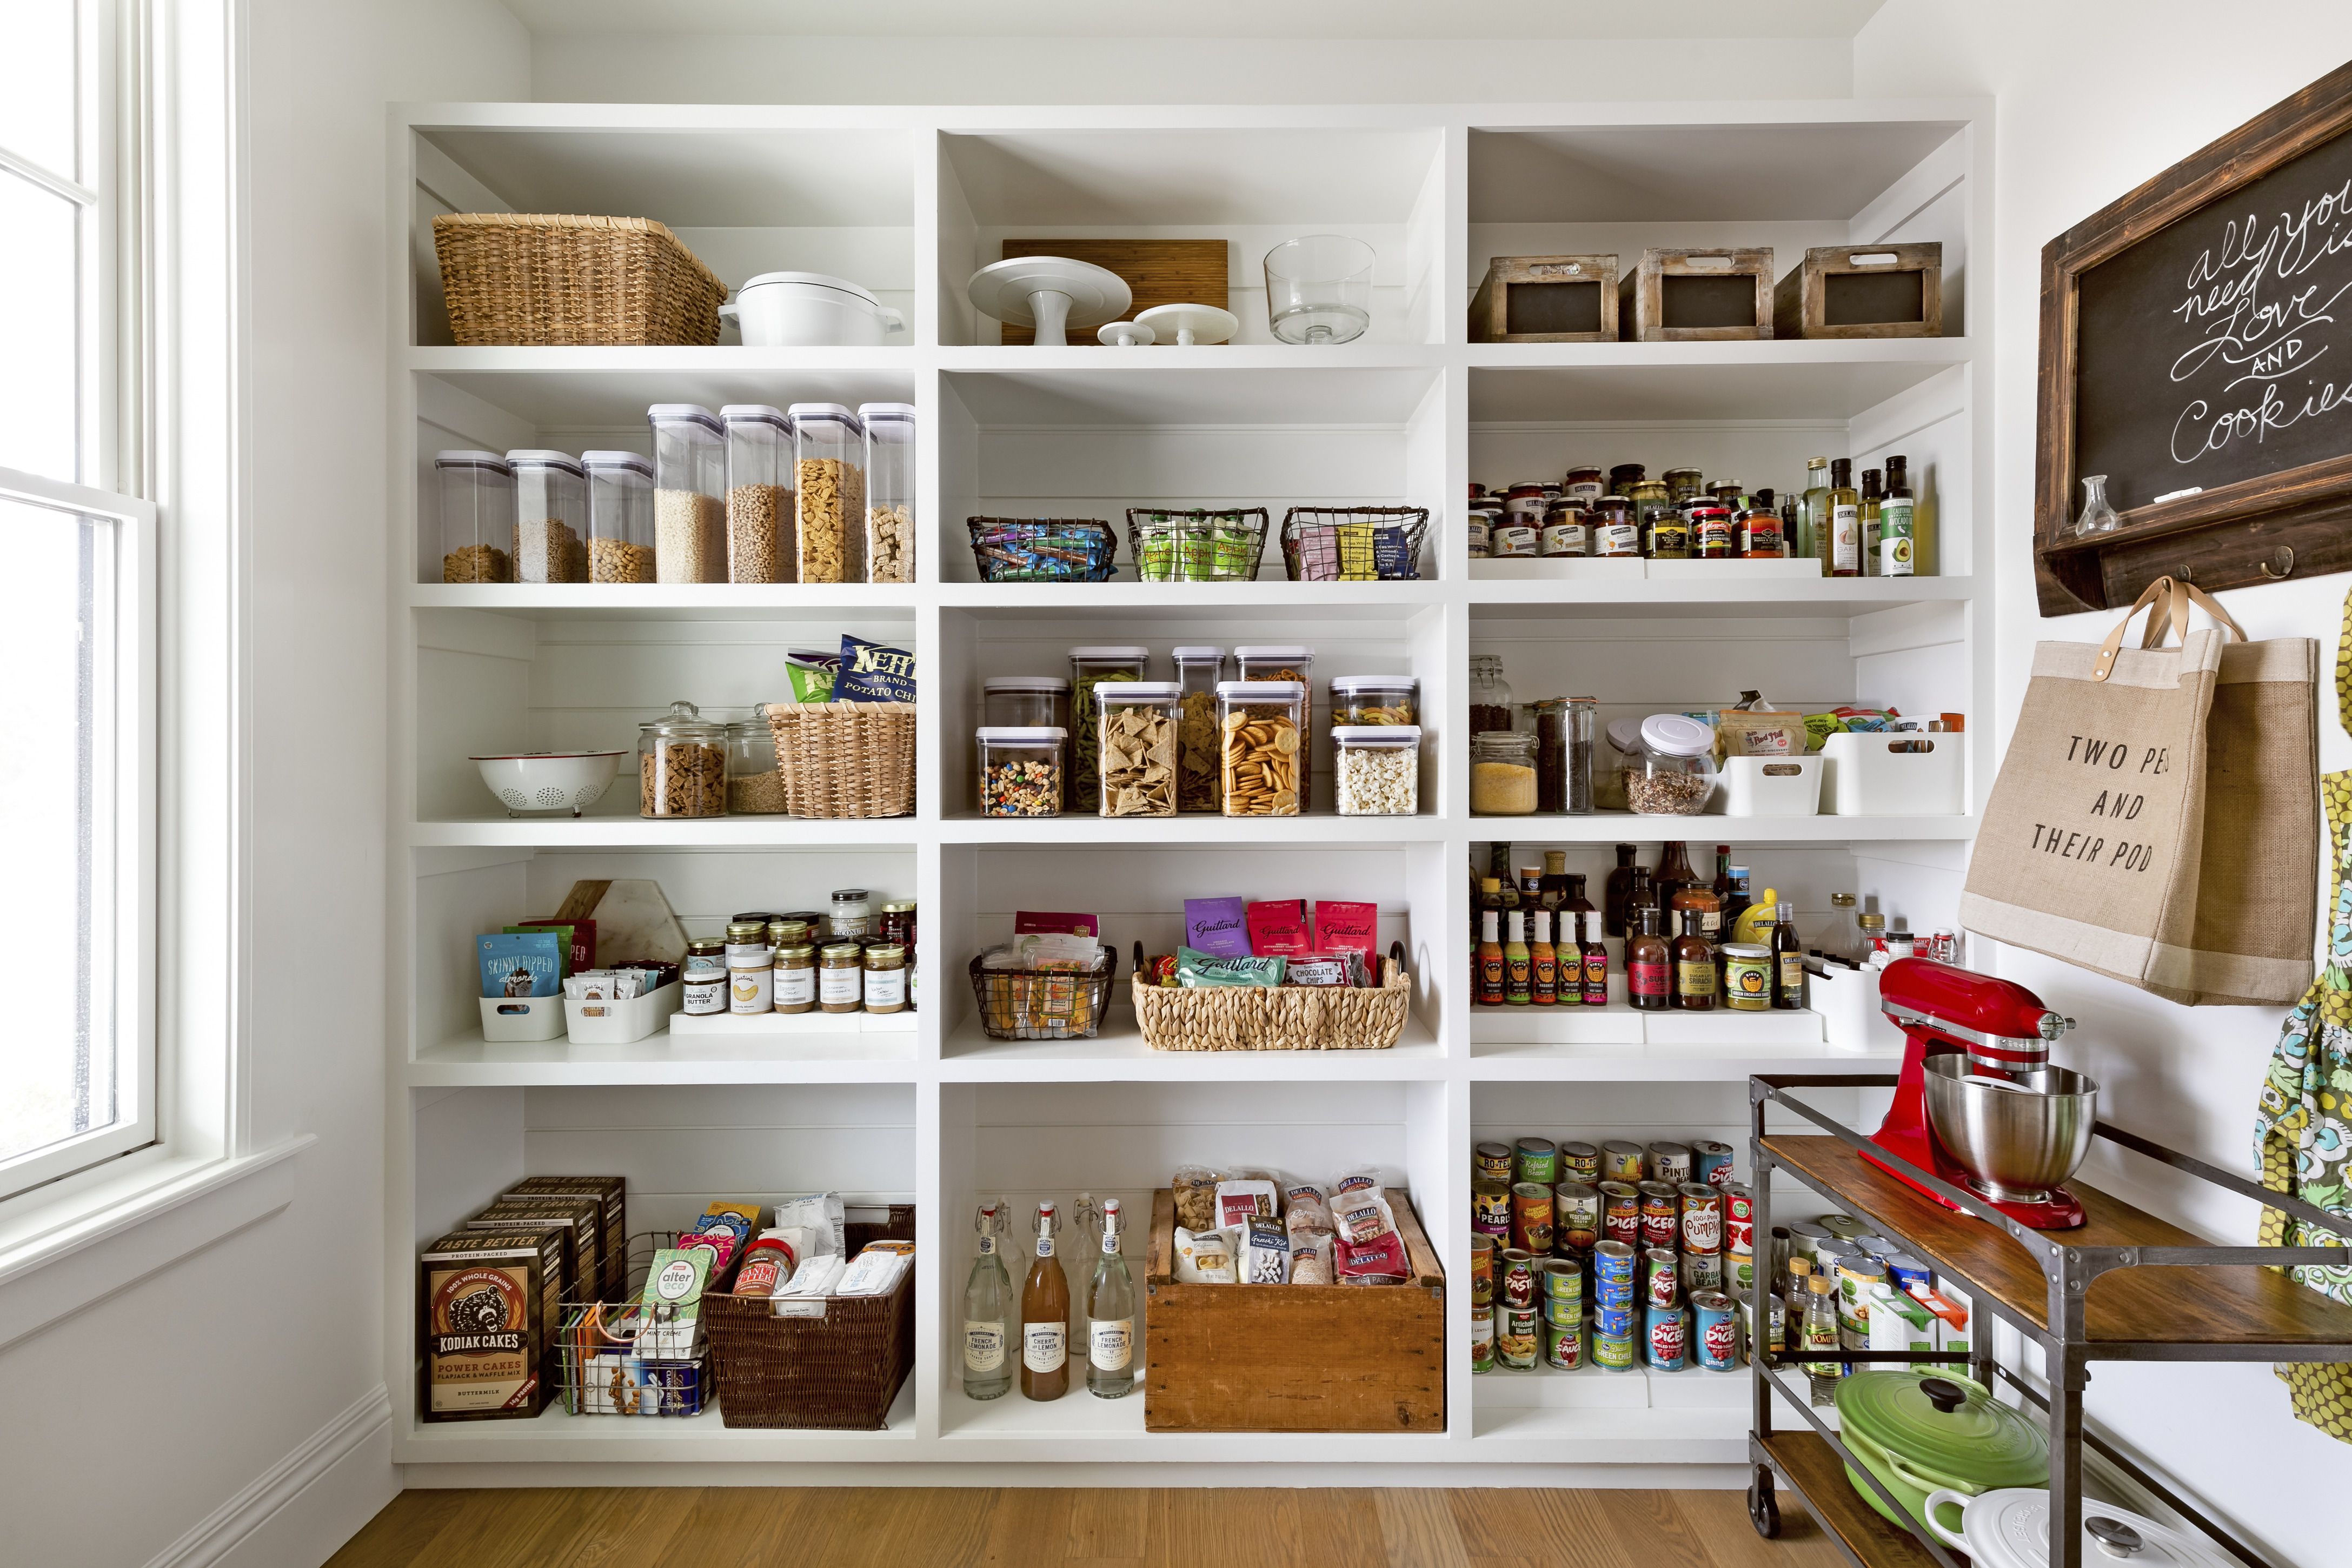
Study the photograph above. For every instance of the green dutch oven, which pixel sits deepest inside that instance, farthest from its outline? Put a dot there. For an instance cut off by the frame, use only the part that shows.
(1920, 1432)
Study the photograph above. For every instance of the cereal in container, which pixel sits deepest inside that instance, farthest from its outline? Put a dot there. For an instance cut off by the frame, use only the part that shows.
(620, 516)
(759, 494)
(689, 482)
(889, 490)
(551, 517)
(1375, 700)
(755, 785)
(681, 765)
(1262, 746)
(1136, 722)
(478, 513)
(829, 477)
(1089, 667)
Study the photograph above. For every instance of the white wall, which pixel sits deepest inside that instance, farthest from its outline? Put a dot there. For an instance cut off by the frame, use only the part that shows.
(2096, 96)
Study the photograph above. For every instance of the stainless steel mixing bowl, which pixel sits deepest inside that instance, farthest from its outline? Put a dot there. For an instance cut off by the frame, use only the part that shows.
(2018, 1139)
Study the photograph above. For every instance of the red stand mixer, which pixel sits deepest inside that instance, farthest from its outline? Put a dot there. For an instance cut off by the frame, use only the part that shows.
(1978, 1102)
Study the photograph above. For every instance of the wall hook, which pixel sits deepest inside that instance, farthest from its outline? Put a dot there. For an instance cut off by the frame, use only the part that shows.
(2186, 573)
(2283, 559)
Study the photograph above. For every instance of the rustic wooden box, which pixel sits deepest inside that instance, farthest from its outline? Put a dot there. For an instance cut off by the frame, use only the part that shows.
(1293, 1357)
(1863, 292)
(1682, 295)
(1545, 300)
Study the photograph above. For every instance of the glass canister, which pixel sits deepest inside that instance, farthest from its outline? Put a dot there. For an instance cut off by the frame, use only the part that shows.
(1674, 772)
(1198, 671)
(620, 516)
(1565, 730)
(898, 927)
(841, 976)
(1378, 769)
(551, 517)
(1502, 772)
(759, 493)
(1375, 700)
(1021, 769)
(689, 482)
(1490, 695)
(1025, 699)
(886, 978)
(1089, 667)
(796, 981)
(755, 785)
(478, 515)
(829, 477)
(681, 765)
(1136, 722)
(1262, 733)
(889, 490)
(1288, 662)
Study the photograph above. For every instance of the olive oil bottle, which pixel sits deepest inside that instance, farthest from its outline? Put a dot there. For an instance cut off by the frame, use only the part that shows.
(1843, 510)
(1815, 518)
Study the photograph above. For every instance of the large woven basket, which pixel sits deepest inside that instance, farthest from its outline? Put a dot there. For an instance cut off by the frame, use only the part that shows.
(845, 759)
(838, 1372)
(543, 277)
(1275, 1018)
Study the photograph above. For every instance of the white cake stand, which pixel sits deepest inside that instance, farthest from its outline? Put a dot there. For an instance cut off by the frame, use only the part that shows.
(1189, 324)
(1125, 335)
(1049, 292)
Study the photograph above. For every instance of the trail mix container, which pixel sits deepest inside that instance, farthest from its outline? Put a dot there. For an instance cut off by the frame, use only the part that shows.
(690, 484)
(829, 483)
(551, 517)
(759, 494)
(1375, 700)
(889, 545)
(1263, 756)
(620, 516)
(1378, 769)
(1089, 667)
(478, 515)
(1136, 723)
(681, 765)
(1198, 774)
(1021, 769)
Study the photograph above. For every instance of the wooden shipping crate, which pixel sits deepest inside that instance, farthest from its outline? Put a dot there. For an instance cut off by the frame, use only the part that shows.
(1680, 295)
(1545, 300)
(1863, 292)
(1293, 1357)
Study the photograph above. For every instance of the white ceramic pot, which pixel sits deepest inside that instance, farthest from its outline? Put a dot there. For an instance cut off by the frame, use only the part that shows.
(550, 781)
(2009, 1527)
(808, 309)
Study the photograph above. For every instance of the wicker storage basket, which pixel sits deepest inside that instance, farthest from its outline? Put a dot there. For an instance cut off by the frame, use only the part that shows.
(543, 277)
(1347, 543)
(1273, 1018)
(1196, 547)
(845, 759)
(1042, 1005)
(838, 1372)
(1043, 549)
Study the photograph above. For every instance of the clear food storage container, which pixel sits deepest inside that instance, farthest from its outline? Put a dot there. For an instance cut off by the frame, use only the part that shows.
(551, 517)
(1198, 671)
(1502, 772)
(689, 480)
(1137, 721)
(1020, 769)
(620, 516)
(1288, 662)
(1378, 768)
(477, 514)
(759, 493)
(1025, 699)
(829, 475)
(681, 765)
(889, 490)
(755, 785)
(1089, 666)
(1262, 746)
(1375, 700)
(1564, 728)
(1674, 772)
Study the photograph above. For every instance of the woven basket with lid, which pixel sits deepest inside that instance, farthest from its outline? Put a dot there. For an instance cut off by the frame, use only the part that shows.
(550, 278)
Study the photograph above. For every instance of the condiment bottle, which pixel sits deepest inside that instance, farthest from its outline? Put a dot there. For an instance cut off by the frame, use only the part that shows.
(1695, 976)
(1871, 502)
(1813, 523)
(1045, 1317)
(1896, 554)
(1649, 962)
(1543, 964)
(1490, 957)
(1595, 957)
(1845, 521)
(1615, 890)
(1519, 980)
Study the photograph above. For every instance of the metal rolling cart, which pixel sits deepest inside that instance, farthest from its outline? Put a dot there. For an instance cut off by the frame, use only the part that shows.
(2042, 1284)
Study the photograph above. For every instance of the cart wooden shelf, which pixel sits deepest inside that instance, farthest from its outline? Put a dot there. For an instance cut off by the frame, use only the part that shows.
(2126, 1286)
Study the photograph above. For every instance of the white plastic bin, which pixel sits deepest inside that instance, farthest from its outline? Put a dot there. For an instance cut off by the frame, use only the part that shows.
(1771, 786)
(522, 1017)
(620, 1023)
(1866, 776)
(1847, 1000)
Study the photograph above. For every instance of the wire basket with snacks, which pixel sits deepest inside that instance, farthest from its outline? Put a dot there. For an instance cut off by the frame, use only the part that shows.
(629, 1357)
(1043, 549)
(1353, 543)
(1196, 547)
(1044, 985)
(1198, 1001)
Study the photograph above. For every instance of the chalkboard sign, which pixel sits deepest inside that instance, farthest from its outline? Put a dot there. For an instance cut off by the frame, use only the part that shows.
(2197, 344)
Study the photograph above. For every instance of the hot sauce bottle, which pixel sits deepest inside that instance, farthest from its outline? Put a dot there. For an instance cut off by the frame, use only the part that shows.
(1543, 966)
(1595, 957)
(1490, 960)
(1518, 978)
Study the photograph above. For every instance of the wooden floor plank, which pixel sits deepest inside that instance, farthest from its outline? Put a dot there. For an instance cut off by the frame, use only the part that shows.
(1417, 1524)
(499, 1530)
(1347, 1524)
(1108, 1524)
(1651, 1530)
(401, 1530)
(1720, 1518)
(635, 1524)
(1022, 1522)
(732, 1527)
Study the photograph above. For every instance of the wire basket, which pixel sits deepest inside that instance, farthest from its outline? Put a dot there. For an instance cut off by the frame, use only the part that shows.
(1196, 547)
(1043, 549)
(1042, 1003)
(598, 1368)
(547, 278)
(1353, 543)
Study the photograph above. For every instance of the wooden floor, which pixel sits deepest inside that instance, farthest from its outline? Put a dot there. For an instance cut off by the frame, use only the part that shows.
(748, 1526)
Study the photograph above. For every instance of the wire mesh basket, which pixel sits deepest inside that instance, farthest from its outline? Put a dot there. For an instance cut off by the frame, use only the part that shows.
(1353, 543)
(1042, 1003)
(599, 1369)
(1043, 549)
(1196, 547)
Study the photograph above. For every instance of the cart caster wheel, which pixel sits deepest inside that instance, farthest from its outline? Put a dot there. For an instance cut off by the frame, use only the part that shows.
(1763, 1509)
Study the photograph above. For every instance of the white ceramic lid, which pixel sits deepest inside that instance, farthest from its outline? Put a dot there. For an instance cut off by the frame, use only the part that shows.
(1195, 655)
(1262, 690)
(1677, 736)
(629, 461)
(533, 459)
(684, 413)
(1025, 683)
(1377, 734)
(833, 411)
(453, 460)
(1111, 653)
(1625, 734)
(1269, 650)
(2009, 1527)
(748, 413)
(1137, 692)
(809, 280)
(1035, 732)
(1372, 683)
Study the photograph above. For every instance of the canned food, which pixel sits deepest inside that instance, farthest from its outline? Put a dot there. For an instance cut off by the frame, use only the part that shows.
(1701, 1270)
(1491, 1162)
(1909, 1275)
(1563, 1346)
(1482, 1339)
(1844, 1225)
(1661, 1214)
(1711, 1162)
(1665, 1340)
(1558, 1277)
(1580, 1162)
(1615, 1319)
(1514, 1281)
(1661, 1279)
(1566, 1310)
(1536, 1160)
(1714, 1330)
(1621, 1212)
(1669, 1162)
(1576, 1214)
(1621, 1161)
(1702, 1217)
(1739, 1270)
(1482, 1269)
(1612, 1352)
(1739, 1220)
(1531, 1216)
(1515, 1336)
(1855, 1277)
(1490, 1208)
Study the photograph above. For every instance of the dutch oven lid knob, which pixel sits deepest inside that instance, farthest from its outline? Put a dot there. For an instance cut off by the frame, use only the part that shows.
(2115, 1538)
(1944, 1395)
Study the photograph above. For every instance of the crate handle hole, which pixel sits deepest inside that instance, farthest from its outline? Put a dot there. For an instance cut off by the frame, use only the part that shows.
(1707, 263)
(1872, 258)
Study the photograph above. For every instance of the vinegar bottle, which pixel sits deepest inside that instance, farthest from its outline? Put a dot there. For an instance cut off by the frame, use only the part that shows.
(1617, 891)
(1045, 1318)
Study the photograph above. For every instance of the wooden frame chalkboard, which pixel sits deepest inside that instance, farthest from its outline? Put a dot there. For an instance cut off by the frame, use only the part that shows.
(2196, 309)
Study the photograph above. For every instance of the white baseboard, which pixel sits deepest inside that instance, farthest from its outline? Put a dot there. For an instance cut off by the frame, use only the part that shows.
(298, 1512)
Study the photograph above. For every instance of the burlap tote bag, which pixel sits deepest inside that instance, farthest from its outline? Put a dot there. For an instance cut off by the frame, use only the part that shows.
(2156, 819)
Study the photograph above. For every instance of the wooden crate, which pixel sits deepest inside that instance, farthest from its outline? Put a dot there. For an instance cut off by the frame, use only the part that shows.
(1293, 1357)
(1681, 295)
(1158, 272)
(1545, 300)
(1854, 292)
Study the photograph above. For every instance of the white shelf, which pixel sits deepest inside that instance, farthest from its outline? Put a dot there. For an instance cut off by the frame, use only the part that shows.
(649, 832)
(1584, 1415)
(1625, 827)
(557, 1437)
(829, 602)
(1077, 827)
(1518, 589)
(853, 1048)
(1079, 1426)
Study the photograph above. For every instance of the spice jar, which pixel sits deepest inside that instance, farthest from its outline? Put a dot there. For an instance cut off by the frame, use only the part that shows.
(755, 784)
(759, 494)
(886, 978)
(1673, 771)
(1136, 722)
(829, 478)
(1262, 728)
(551, 517)
(704, 975)
(477, 514)
(1198, 774)
(1292, 662)
(1378, 768)
(841, 976)
(1021, 769)
(681, 765)
(689, 478)
(1089, 666)
(1502, 772)
(796, 978)
(889, 545)
(620, 516)
(1490, 697)
(1616, 528)
(1375, 700)
(852, 915)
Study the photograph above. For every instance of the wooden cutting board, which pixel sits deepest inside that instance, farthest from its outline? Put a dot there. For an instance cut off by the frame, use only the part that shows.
(1159, 272)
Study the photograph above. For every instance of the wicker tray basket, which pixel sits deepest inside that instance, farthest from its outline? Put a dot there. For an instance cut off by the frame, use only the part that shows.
(845, 759)
(1276, 1018)
(1196, 547)
(839, 1372)
(543, 277)
(1353, 543)
(1042, 1005)
(1043, 549)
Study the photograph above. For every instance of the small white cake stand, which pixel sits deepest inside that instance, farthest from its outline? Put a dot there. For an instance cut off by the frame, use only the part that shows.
(1190, 324)
(1049, 293)
(1125, 335)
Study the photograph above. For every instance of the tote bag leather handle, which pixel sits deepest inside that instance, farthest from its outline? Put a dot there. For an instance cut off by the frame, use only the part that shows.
(2166, 600)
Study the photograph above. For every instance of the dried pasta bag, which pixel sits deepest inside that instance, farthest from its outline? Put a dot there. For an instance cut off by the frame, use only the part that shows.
(1243, 1200)
(1305, 1207)
(1195, 1189)
(1265, 1253)
(1380, 1262)
(1205, 1258)
(1360, 1211)
(1311, 1258)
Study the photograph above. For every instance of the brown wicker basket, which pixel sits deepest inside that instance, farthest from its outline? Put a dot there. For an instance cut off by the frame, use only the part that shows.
(839, 1372)
(845, 759)
(543, 277)
(1275, 1018)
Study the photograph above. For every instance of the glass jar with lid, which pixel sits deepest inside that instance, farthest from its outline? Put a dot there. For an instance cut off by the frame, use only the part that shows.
(886, 978)
(1625, 477)
(704, 975)
(852, 915)
(1262, 738)
(1021, 769)
(1375, 700)
(1138, 721)
(689, 487)
(478, 515)
(1378, 769)
(1584, 485)
(889, 522)
(898, 926)
(1614, 528)
(1684, 483)
(1198, 671)
(759, 493)
(796, 981)
(1674, 772)
(755, 785)
(681, 765)
(829, 478)
(751, 979)
(1288, 662)
(1564, 532)
(551, 517)
(786, 931)
(1089, 667)
(1564, 737)
(1502, 772)
(1490, 695)
(620, 516)
(841, 976)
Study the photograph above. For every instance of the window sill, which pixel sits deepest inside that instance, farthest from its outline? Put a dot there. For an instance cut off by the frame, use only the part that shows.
(58, 1256)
